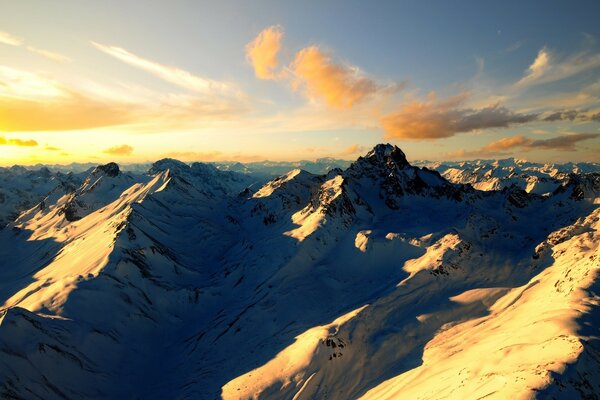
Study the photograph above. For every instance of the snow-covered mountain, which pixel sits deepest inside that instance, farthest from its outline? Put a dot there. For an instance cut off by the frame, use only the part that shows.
(276, 168)
(22, 188)
(378, 281)
(498, 174)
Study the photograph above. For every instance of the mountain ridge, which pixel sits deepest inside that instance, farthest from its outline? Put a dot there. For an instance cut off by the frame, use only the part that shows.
(188, 282)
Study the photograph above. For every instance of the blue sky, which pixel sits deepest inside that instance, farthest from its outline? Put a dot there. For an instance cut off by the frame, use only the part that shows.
(137, 81)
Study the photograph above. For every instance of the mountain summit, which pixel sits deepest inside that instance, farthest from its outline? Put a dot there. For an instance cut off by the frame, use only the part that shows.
(111, 169)
(387, 153)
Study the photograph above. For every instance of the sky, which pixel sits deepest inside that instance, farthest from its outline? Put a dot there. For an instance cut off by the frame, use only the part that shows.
(136, 81)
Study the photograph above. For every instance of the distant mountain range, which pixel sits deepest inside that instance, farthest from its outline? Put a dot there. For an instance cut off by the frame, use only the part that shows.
(375, 279)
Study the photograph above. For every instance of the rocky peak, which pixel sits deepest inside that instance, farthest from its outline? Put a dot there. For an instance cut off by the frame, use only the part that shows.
(111, 169)
(382, 160)
(387, 153)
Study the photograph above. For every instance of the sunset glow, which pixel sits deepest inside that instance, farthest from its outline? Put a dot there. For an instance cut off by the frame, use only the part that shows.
(232, 82)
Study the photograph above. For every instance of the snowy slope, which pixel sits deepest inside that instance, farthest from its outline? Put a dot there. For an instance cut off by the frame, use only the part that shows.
(381, 280)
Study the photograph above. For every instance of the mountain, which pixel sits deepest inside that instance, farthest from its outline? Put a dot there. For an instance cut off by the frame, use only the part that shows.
(21, 188)
(272, 169)
(498, 174)
(378, 280)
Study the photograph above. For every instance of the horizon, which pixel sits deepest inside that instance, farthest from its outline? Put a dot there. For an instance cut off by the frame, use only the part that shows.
(121, 163)
(443, 82)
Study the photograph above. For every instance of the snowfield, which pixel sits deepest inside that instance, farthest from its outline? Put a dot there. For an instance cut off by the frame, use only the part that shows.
(380, 280)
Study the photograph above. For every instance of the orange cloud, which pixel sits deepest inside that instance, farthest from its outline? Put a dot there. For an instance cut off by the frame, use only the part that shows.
(71, 112)
(339, 85)
(431, 119)
(17, 142)
(263, 50)
(505, 145)
(353, 149)
(563, 142)
(30, 102)
(122, 150)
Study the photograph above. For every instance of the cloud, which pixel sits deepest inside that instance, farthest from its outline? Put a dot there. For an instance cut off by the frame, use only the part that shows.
(339, 85)
(514, 47)
(568, 115)
(572, 115)
(10, 40)
(505, 145)
(174, 75)
(545, 68)
(537, 69)
(122, 150)
(431, 119)
(565, 142)
(30, 102)
(263, 50)
(51, 148)
(49, 54)
(353, 149)
(17, 142)
(210, 101)
(314, 72)
(73, 111)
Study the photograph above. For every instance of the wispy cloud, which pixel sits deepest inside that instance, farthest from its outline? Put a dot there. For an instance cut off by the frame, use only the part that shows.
(564, 142)
(174, 75)
(262, 52)
(547, 68)
(10, 40)
(432, 119)
(121, 150)
(31, 102)
(49, 54)
(17, 142)
(514, 47)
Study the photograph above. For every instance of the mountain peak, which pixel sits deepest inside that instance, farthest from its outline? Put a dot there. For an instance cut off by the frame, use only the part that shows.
(171, 164)
(111, 169)
(387, 152)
